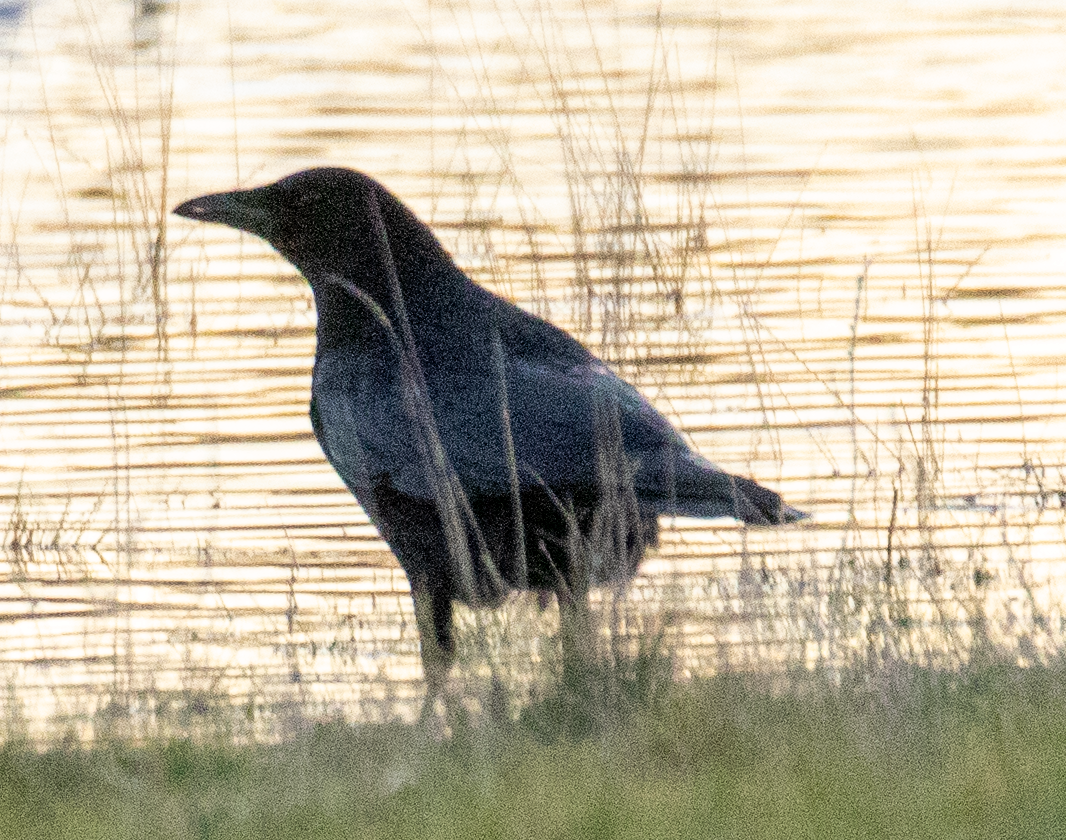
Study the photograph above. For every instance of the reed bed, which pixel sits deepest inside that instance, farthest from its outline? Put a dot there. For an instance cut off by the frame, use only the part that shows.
(179, 561)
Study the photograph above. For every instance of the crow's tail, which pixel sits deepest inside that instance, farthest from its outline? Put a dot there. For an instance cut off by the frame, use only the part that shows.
(701, 490)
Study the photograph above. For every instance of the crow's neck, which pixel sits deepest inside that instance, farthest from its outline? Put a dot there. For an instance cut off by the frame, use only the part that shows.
(342, 319)
(427, 293)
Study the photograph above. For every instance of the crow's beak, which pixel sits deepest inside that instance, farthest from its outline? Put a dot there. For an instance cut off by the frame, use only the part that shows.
(246, 210)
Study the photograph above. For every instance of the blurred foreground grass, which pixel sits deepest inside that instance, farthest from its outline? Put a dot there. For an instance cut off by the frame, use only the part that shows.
(909, 754)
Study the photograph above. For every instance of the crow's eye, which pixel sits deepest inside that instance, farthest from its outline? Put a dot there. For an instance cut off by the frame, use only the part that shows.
(302, 199)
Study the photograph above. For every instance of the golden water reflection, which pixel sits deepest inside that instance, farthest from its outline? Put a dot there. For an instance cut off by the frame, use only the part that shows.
(825, 239)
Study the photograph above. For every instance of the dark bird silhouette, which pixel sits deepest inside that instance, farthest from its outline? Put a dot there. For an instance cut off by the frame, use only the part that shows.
(490, 449)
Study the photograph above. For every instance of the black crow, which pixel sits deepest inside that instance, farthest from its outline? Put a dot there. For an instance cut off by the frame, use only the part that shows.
(490, 449)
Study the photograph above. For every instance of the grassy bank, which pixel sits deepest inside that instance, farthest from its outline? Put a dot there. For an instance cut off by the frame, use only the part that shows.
(918, 754)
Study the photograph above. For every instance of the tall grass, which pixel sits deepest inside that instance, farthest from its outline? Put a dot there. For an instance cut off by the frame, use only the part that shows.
(980, 753)
(912, 558)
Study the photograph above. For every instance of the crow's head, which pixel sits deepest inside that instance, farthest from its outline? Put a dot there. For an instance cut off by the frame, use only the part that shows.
(325, 219)
(307, 213)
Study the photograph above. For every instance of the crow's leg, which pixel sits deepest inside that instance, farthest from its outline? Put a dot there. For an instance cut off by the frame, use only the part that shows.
(577, 638)
(433, 613)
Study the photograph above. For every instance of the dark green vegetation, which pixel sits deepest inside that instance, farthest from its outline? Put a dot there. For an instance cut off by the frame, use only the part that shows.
(916, 754)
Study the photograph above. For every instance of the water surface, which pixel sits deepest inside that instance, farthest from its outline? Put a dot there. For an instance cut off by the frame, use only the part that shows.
(826, 240)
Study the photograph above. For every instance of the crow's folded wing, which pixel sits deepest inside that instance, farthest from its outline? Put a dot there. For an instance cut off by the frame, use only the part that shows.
(572, 424)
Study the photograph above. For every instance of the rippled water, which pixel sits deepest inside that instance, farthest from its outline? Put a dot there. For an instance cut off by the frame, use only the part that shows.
(826, 239)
